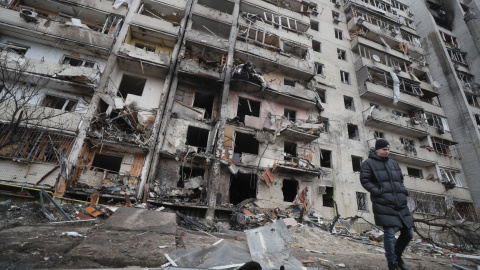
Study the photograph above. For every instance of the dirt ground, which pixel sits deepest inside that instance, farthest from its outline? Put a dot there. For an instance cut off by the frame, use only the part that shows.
(30, 241)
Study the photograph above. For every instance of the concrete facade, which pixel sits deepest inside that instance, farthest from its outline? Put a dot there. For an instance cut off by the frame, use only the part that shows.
(172, 112)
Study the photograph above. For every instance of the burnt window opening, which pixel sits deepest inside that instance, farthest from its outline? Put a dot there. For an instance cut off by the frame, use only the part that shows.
(322, 93)
(131, 85)
(204, 101)
(362, 201)
(187, 173)
(378, 134)
(197, 137)
(145, 47)
(290, 190)
(290, 114)
(466, 211)
(326, 158)
(289, 82)
(245, 143)
(477, 119)
(109, 163)
(320, 69)
(348, 101)
(357, 163)
(353, 132)
(342, 55)
(242, 186)
(77, 62)
(414, 172)
(317, 46)
(314, 25)
(14, 47)
(247, 107)
(338, 34)
(328, 197)
(290, 149)
(59, 103)
(472, 100)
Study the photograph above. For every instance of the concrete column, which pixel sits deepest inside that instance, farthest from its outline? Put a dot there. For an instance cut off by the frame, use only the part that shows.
(474, 28)
(215, 168)
(163, 112)
(102, 86)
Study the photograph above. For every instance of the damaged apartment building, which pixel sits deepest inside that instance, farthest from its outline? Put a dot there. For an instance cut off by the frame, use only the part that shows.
(201, 104)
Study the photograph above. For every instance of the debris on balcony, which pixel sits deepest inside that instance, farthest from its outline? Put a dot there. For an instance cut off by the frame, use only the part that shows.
(247, 72)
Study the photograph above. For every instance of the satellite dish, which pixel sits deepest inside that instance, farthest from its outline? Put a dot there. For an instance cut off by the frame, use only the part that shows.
(376, 58)
(436, 84)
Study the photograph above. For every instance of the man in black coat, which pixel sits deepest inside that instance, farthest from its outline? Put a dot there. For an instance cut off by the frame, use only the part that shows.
(383, 178)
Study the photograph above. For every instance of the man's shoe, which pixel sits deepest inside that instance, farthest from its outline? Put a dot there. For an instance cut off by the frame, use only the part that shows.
(393, 266)
(401, 263)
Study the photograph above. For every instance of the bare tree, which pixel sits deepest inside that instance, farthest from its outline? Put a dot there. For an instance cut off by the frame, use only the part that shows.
(20, 90)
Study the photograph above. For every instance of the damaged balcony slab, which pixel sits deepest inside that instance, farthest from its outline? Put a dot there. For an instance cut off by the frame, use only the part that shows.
(213, 14)
(299, 98)
(289, 169)
(397, 124)
(152, 58)
(145, 68)
(270, 7)
(69, 35)
(298, 135)
(190, 66)
(155, 24)
(302, 69)
(384, 95)
(403, 158)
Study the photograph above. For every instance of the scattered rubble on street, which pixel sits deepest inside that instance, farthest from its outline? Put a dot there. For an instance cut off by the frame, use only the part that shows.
(144, 235)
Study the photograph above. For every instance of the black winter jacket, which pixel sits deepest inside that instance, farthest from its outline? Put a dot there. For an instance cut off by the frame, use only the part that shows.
(383, 178)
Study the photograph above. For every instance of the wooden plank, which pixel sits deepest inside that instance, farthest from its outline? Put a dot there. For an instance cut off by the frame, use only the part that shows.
(137, 164)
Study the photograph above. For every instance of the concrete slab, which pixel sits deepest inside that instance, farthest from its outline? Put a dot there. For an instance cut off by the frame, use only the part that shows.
(134, 219)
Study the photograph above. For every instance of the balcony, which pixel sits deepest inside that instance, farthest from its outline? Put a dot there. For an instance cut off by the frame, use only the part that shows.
(382, 119)
(140, 21)
(382, 62)
(94, 37)
(302, 69)
(393, 51)
(203, 60)
(404, 154)
(212, 14)
(292, 8)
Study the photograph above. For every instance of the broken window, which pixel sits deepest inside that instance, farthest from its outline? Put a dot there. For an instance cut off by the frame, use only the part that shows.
(451, 176)
(444, 147)
(328, 197)
(472, 100)
(289, 82)
(326, 124)
(325, 158)
(477, 119)
(348, 102)
(466, 211)
(244, 143)
(320, 69)
(290, 149)
(345, 77)
(378, 135)
(353, 132)
(338, 34)
(102, 162)
(449, 40)
(290, 190)
(430, 97)
(197, 137)
(204, 101)
(414, 172)
(317, 46)
(362, 201)
(187, 173)
(131, 85)
(357, 163)
(14, 47)
(77, 62)
(336, 17)
(242, 186)
(342, 55)
(59, 103)
(314, 25)
(290, 114)
(322, 93)
(436, 121)
(457, 56)
(247, 107)
(426, 203)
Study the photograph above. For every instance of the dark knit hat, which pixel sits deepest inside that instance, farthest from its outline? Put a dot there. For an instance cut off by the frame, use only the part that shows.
(382, 143)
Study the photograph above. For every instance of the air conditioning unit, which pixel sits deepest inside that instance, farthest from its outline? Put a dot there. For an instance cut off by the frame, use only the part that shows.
(336, 19)
(394, 32)
(28, 14)
(337, 4)
(397, 69)
(322, 189)
(410, 14)
(314, 11)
